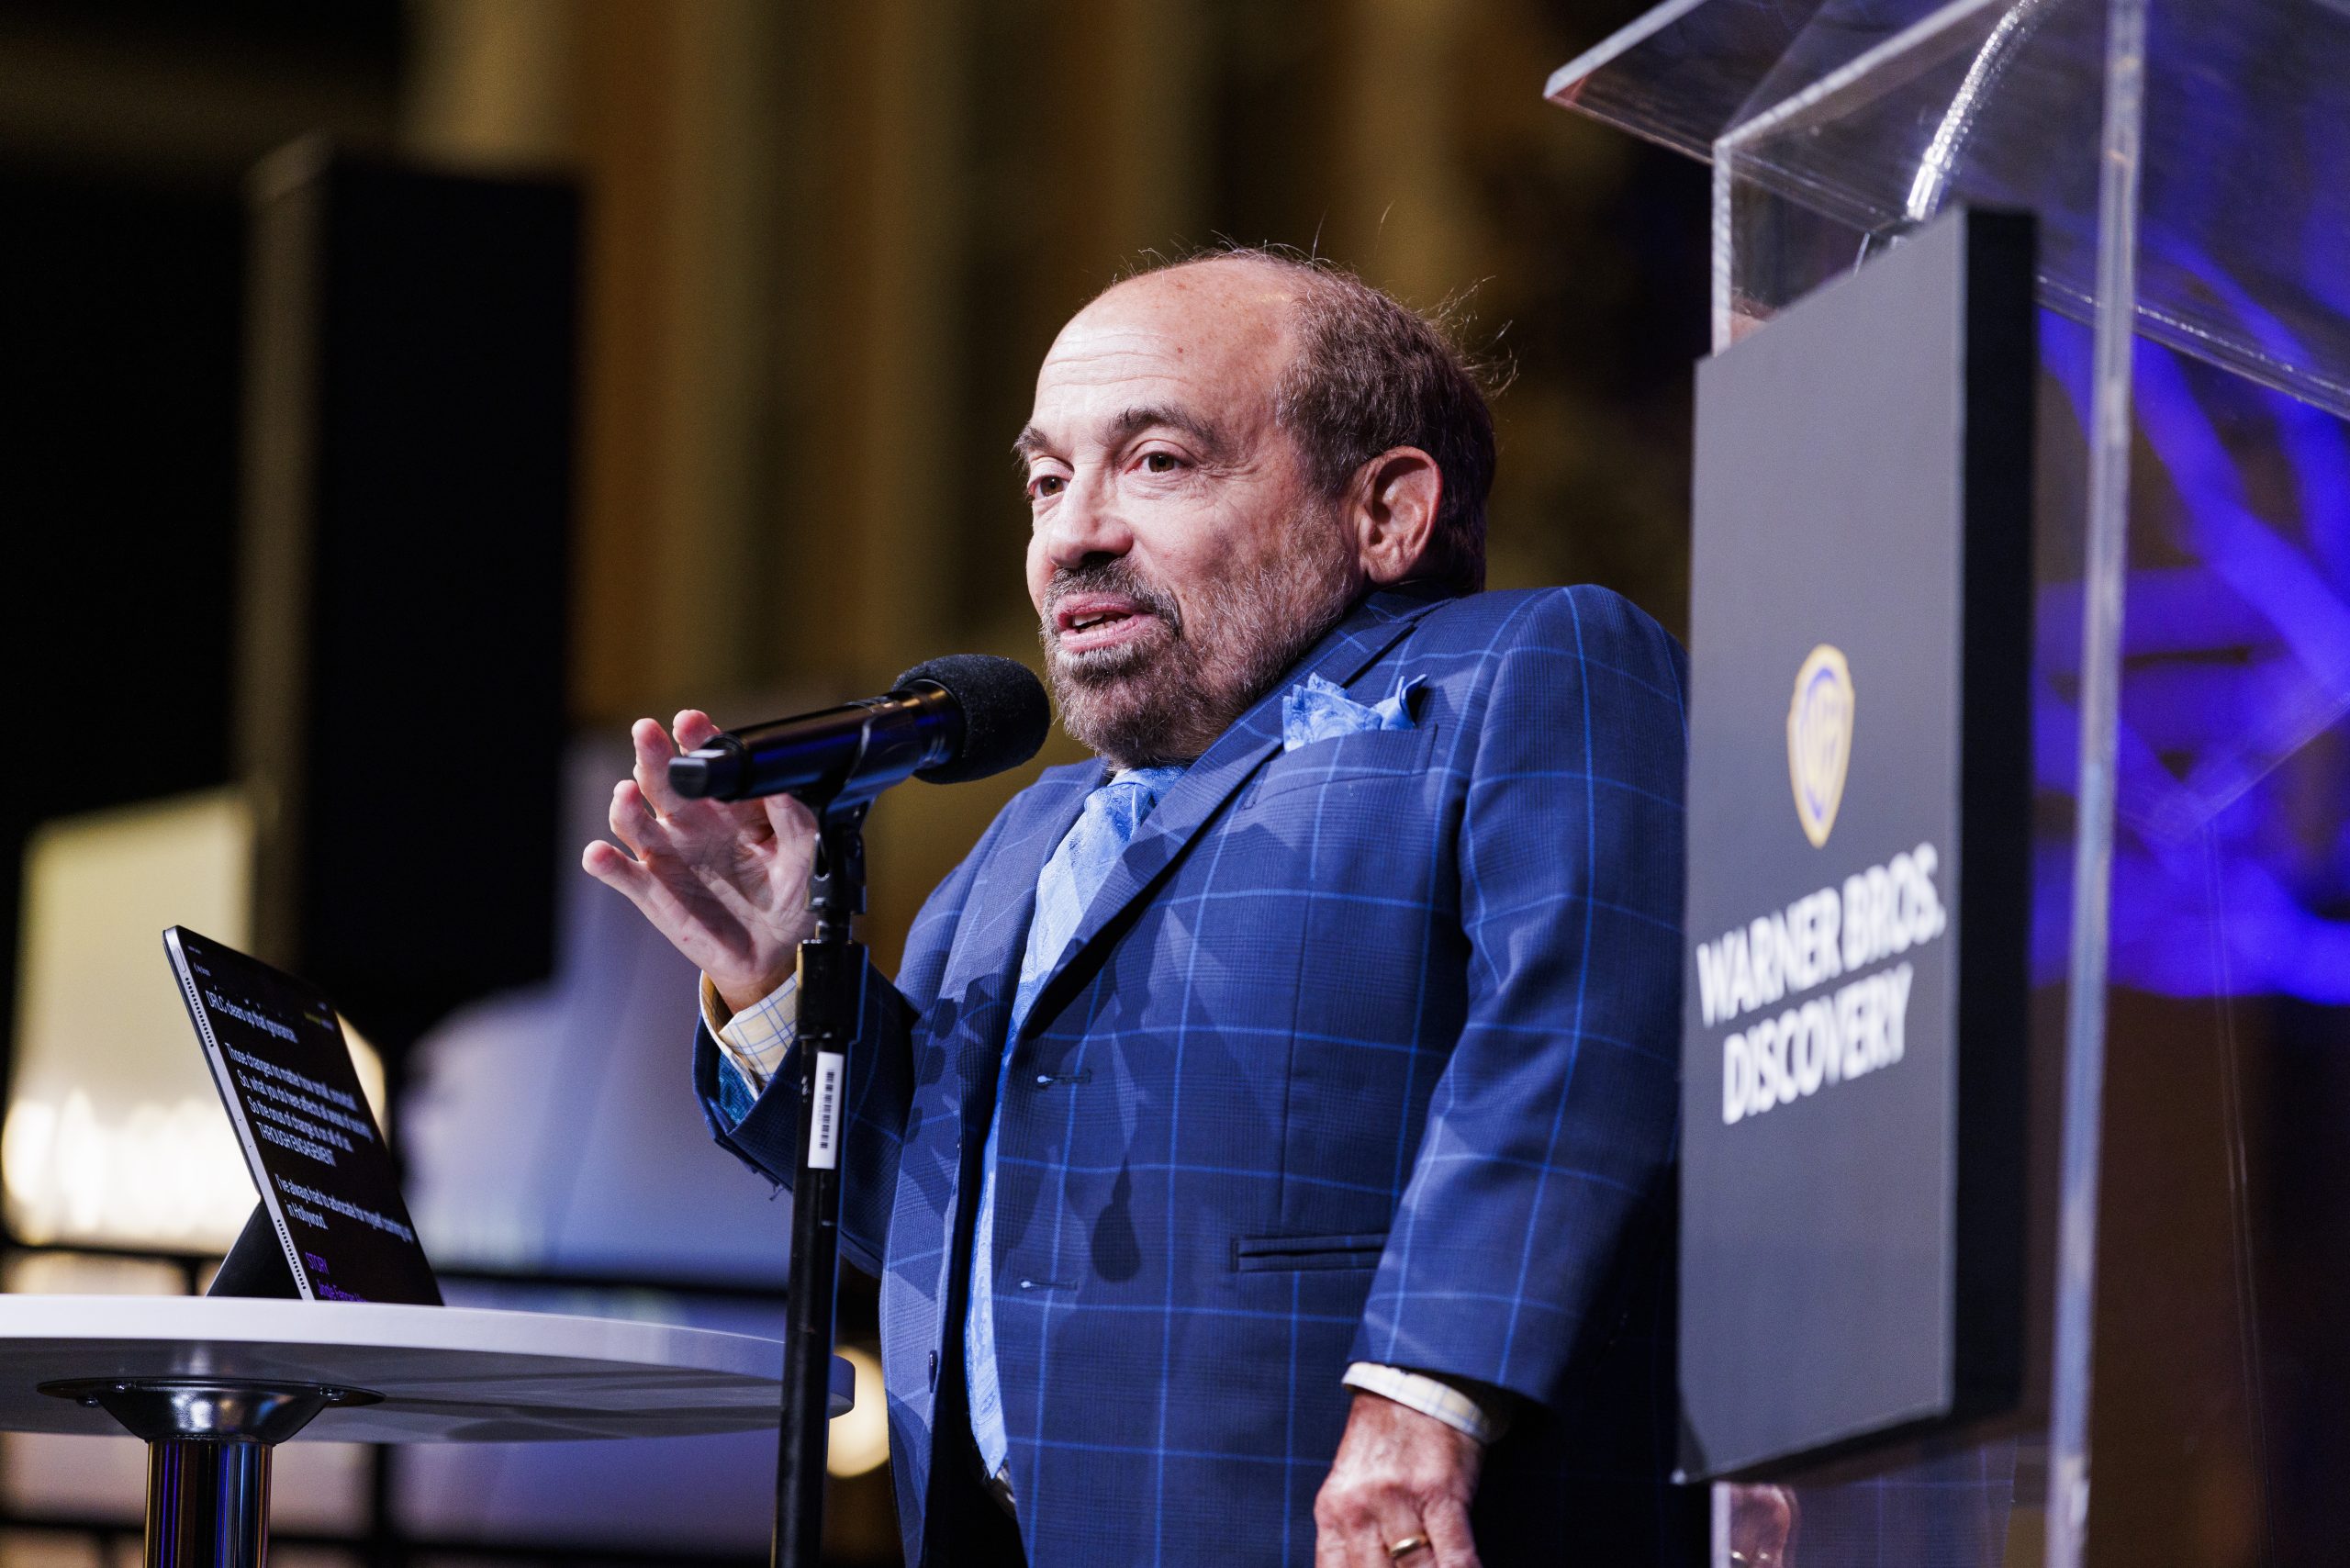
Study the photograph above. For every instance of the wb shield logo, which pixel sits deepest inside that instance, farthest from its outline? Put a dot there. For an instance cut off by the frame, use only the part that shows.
(1819, 739)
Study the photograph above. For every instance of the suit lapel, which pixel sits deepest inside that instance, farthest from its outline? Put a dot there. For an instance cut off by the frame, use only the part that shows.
(1350, 648)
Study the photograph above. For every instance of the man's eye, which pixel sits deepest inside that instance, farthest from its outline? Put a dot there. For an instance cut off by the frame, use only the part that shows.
(1161, 462)
(1044, 484)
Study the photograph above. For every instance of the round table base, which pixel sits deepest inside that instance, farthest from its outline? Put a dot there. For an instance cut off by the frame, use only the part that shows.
(208, 1446)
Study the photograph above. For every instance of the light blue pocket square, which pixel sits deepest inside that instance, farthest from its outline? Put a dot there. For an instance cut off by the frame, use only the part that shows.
(1319, 710)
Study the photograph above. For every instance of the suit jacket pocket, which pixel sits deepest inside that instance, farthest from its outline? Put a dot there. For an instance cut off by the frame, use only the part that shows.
(1271, 1254)
(1366, 757)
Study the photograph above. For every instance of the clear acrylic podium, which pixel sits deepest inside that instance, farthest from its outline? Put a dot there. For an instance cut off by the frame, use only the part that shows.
(2188, 161)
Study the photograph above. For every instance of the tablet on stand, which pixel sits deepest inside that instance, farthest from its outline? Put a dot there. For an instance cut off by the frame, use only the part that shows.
(332, 1225)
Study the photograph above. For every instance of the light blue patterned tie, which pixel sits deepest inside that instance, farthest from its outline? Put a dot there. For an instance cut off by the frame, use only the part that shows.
(1112, 815)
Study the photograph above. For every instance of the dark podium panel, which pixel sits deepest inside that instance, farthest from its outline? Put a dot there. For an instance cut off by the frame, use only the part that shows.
(1853, 1041)
(408, 477)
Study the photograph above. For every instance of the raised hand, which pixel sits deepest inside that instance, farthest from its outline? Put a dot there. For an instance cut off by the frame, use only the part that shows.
(727, 884)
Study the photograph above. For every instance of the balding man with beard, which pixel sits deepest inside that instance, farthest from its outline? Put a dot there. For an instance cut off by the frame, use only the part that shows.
(1265, 1144)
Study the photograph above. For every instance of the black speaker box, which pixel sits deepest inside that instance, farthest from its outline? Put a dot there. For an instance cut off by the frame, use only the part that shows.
(410, 387)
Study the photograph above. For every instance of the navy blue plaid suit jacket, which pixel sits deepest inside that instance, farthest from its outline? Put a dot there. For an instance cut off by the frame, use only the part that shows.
(1365, 1051)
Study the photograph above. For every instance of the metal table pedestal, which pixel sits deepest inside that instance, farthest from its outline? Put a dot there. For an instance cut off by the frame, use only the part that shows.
(208, 1445)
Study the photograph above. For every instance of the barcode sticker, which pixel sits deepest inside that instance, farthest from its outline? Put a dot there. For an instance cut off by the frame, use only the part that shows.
(825, 1125)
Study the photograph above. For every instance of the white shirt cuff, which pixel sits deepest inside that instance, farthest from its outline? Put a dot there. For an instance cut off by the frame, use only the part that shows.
(1449, 1403)
(754, 1039)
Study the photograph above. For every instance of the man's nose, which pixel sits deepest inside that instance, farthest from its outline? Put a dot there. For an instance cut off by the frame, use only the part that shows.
(1088, 525)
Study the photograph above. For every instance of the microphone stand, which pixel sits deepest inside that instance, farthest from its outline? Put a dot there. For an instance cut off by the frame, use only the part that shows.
(832, 979)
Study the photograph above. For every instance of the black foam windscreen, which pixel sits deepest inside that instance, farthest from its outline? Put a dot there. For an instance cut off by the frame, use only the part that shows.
(1005, 716)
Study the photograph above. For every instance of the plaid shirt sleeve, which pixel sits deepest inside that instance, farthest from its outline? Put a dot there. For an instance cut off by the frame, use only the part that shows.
(1483, 1419)
(752, 1043)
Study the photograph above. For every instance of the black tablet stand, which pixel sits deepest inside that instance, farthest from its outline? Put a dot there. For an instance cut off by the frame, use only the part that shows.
(256, 1264)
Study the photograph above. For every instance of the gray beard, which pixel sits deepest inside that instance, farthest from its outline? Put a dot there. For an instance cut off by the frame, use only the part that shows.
(1166, 697)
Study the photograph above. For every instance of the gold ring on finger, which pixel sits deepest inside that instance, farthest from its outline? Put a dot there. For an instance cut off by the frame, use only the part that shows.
(1399, 1550)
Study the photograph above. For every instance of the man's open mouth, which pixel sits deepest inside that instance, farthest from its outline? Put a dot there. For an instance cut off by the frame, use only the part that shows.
(1083, 623)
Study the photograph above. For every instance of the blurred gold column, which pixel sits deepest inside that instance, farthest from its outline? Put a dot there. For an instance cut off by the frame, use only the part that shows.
(884, 309)
(680, 143)
(1127, 172)
(779, 300)
(872, 293)
(492, 85)
(1404, 220)
(1153, 152)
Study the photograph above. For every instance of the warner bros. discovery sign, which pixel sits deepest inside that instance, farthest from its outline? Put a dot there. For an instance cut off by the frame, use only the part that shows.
(1853, 1031)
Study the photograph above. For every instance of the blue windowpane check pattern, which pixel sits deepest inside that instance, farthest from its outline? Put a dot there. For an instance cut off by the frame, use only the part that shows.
(1112, 815)
(1364, 1052)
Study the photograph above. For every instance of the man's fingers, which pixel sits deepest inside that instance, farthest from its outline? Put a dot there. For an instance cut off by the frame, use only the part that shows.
(693, 729)
(706, 875)
(1356, 1523)
(1446, 1520)
(788, 819)
(1339, 1523)
(631, 820)
(611, 866)
(604, 862)
(1398, 1521)
(652, 754)
(1334, 1547)
(687, 928)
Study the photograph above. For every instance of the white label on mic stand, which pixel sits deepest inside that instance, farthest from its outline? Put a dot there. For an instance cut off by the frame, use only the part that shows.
(825, 1125)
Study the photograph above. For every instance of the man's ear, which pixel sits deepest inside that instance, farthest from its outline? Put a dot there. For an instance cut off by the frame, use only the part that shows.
(1392, 508)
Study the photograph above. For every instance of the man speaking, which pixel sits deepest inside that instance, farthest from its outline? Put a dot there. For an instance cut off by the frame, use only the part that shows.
(1264, 1147)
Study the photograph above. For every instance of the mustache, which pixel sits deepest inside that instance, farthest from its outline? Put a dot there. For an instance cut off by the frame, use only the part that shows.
(1114, 577)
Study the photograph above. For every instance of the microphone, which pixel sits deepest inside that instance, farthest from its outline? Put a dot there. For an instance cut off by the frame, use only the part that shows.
(961, 717)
